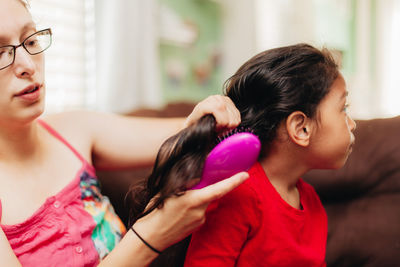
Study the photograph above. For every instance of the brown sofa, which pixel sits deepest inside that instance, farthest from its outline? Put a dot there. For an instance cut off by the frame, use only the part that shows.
(362, 199)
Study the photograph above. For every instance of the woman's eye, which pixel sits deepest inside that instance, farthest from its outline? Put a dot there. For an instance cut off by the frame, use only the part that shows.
(6, 52)
(31, 43)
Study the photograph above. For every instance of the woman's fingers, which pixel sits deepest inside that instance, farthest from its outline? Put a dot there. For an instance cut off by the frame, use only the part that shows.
(181, 215)
(222, 108)
(226, 114)
(217, 190)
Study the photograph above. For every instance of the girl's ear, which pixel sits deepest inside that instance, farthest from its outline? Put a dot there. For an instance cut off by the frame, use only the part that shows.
(298, 127)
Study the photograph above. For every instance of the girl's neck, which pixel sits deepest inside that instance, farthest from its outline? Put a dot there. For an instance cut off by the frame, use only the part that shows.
(19, 141)
(284, 167)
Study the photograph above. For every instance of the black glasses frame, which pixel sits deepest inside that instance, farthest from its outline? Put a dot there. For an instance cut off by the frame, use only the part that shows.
(26, 49)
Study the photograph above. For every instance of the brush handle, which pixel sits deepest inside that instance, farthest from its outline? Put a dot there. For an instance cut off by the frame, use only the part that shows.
(234, 154)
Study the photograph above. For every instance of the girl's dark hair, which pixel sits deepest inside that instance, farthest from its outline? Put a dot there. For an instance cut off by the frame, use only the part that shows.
(179, 161)
(266, 90)
(178, 164)
(273, 84)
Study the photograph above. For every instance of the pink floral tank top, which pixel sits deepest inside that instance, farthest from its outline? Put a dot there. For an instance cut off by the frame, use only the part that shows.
(76, 227)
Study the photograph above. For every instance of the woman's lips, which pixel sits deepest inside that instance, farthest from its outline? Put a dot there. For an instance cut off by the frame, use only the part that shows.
(30, 93)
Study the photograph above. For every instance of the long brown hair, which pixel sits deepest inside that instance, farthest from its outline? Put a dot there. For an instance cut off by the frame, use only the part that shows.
(179, 162)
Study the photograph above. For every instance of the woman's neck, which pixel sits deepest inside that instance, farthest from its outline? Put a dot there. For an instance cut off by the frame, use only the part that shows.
(19, 141)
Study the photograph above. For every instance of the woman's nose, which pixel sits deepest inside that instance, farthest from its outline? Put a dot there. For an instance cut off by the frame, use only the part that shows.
(23, 64)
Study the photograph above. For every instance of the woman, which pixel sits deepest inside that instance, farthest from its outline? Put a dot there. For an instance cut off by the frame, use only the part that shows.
(51, 210)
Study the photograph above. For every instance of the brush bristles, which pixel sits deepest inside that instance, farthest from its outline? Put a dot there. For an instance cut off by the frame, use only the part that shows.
(225, 135)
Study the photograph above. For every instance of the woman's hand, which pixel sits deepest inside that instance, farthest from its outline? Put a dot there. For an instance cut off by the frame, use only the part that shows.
(182, 215)
(225, 112)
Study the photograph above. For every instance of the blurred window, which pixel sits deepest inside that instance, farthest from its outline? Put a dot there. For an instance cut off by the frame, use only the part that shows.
(70, 61)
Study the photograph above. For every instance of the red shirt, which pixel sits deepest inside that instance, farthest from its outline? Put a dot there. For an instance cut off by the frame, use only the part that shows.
(254, 226)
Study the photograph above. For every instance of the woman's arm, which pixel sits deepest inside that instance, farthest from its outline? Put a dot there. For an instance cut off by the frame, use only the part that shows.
(111, 141)
(7, 255)
(129, 141)
(163, 227)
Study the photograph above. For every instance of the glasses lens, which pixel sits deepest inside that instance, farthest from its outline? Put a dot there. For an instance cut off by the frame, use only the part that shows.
(38, 42)
(6, 56)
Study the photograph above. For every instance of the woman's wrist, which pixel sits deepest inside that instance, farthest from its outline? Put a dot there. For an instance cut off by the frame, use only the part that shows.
(144, 241)
(148, 231)
(131, 251)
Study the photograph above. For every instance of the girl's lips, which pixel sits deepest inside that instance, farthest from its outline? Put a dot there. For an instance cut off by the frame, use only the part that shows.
(351, 147)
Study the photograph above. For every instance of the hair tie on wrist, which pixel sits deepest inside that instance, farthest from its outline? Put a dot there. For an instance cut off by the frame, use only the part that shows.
(144, 241)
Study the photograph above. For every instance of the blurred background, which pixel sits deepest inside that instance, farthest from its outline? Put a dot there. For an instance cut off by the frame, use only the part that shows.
(121, 55)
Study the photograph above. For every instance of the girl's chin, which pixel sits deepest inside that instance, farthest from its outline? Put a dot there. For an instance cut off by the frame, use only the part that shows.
(334, 165)
(342, 162)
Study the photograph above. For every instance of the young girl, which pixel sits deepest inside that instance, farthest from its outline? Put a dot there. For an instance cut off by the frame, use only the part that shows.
(294, 99)
(51, 210)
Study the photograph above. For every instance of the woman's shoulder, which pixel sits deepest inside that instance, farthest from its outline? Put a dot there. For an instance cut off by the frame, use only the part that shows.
(68, 119)
(72, 124)
(74, 127)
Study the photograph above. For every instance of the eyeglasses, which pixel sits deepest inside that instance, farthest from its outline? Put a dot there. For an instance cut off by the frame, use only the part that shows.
(33, 44)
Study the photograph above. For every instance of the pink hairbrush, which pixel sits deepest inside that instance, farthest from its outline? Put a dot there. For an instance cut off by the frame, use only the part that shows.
(232, 155)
